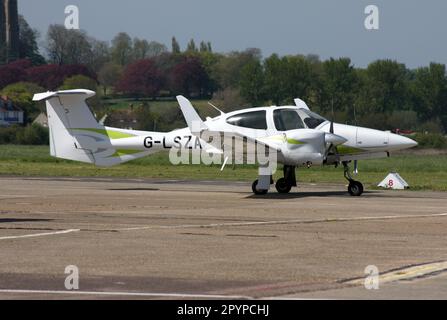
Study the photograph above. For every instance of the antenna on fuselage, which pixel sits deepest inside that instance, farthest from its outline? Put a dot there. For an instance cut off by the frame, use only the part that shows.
(212, 105)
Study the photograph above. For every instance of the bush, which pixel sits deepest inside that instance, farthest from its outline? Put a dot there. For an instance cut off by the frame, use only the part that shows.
(29, 135)
(431, 140)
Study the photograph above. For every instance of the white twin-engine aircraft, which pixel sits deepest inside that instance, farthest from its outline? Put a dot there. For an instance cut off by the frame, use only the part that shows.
(294, 134)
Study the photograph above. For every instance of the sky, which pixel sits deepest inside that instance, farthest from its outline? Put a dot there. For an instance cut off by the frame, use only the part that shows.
(410, 31)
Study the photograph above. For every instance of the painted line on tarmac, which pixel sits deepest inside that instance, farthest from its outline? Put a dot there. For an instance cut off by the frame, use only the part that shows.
(408, 273)
(275, 222)
(40, 234)
(133, 294)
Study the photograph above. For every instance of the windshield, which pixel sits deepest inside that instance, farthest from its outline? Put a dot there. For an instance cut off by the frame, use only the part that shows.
(311, 119)
(287, 119)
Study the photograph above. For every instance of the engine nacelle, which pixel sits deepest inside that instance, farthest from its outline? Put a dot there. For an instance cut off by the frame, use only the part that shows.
(305, 147)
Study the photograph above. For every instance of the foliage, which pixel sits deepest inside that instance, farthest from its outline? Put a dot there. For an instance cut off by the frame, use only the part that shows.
(13, 72)
(29, 135)
(79, 81)
(28, 48)
(142, 78)
(52, 76)
(189, 77)
(109, 75)
(431, 140)
(21, 94)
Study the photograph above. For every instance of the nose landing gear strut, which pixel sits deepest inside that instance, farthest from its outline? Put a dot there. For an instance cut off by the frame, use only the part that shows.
(355, 188)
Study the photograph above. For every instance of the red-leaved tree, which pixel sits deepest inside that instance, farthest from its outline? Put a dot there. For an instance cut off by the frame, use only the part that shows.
(52, 76)
(13, 72)
(141, 78)
(189, 77)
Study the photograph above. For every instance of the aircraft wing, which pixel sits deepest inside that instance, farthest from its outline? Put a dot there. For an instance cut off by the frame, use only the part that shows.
(221, 141)
(358, 156)
(230, 140)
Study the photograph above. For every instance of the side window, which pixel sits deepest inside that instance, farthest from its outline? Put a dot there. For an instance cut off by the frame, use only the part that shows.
(287, 119)
(253, 120)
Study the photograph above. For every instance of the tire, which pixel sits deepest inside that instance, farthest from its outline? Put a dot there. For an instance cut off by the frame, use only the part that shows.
(256, 191)
(355, 188)
(282, 186)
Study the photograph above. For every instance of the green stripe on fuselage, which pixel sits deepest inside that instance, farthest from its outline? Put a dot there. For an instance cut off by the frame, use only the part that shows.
(124, 152)
(282, 138)
(294, 141)
(342, 149)
(110, 133)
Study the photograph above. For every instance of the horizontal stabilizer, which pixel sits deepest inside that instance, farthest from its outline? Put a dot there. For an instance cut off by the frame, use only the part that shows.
(50, 94)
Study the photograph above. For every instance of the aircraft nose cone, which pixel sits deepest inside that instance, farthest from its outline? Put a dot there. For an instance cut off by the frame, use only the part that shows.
(400, 142)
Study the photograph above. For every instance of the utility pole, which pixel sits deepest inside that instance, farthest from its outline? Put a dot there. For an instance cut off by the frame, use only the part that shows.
(9, 31)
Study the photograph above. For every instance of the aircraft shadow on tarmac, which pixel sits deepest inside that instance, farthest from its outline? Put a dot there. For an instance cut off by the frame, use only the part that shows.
(10, 220)
(325, 194)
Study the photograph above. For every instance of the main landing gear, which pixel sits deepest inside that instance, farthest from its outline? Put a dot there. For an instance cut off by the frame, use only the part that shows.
(283, 185)
(355, 188)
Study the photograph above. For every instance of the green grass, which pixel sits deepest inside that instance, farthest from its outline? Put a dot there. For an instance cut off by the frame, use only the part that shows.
(422, 172)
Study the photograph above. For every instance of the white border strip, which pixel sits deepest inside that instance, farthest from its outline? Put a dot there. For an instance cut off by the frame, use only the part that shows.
(40, 234)
(133, 294)
(274, 222)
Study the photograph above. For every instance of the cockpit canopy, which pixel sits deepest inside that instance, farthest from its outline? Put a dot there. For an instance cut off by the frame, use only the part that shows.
(284, 119)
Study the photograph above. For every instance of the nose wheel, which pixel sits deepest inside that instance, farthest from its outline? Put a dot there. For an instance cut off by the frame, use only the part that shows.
(355, 188)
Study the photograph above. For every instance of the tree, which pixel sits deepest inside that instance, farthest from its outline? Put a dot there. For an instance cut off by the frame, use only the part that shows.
(122, 49)
(140, 49)
(252, 82)
(203, 46)
(387, 87)
(22, 94)
(191, 46)
(68, 46)
(156, 48)
(13, 72)
(28, 44)
(226, 71)
(275, 79)
(429, 90)
(52, 76)
(79, 81)
(338, 86)
(175, 46)
(300, 78)
(141, 78)
(100, 54)
(189, 77)
(109, 75)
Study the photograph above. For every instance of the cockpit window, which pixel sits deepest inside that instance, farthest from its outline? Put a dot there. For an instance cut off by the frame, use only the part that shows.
(287, 119)
(253, 120)
(311, 119)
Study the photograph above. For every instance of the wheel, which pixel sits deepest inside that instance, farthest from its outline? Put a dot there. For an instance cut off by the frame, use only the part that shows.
(282, 186)
(355, 188)
(256, 191)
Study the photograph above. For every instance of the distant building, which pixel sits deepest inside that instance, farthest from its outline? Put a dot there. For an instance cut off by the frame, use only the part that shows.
(42, 120)
(9, 31)
(124, 119)
(10, 114)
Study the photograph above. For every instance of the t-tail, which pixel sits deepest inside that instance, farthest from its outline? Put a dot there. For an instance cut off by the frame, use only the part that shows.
(75, 134)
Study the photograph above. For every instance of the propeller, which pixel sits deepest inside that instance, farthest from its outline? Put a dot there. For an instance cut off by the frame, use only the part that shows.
(332, 145)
